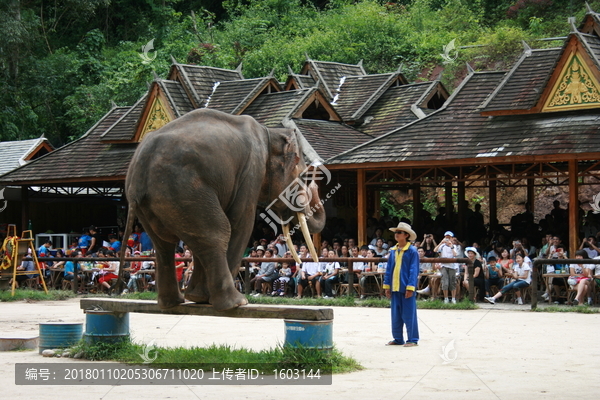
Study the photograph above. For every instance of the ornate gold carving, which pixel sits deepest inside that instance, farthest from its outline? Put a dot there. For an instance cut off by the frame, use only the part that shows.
(576, 88)
(157, 118)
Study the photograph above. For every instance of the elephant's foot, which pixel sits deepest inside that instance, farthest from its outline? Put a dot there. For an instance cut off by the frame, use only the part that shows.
(170, 301)
(228, 300)
(196, 297)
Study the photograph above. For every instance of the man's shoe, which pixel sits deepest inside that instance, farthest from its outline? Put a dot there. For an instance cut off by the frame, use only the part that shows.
(453, 301)
(424, 292)
(575, 302)
(520, 301)
(490, 300)
(446, 301)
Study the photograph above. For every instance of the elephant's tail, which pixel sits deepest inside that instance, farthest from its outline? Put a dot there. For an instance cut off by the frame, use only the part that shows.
(126, 234)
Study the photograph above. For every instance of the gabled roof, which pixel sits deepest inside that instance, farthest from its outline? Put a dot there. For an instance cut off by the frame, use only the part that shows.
(523, 85)
(124, 129)
(330, 73)
(177, 96)
(400, 105)
(296, 81)
(271, 109)
(13, 154)
(459, 131)
(330, 138)
(84, 160)
(351, 95)
(199, 81)
(234, 96)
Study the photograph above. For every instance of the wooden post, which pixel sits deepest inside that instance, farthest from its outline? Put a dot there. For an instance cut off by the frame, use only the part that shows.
(462, 212)
(531, 194)
(24, 208)
(361, 206)
(573, 208)
(449, 203)
(493, 202)
(417, 208)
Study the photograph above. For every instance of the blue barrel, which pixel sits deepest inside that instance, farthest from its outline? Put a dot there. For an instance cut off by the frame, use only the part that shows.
(55, 335)
(106, 326)
(311, 334)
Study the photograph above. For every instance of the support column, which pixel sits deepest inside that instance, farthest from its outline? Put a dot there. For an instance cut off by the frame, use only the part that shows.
(449, 205)
(493, 202)
(531, 194)
(573, 208)
(361, 206)
(24, 209)
(417, 208)
(462, 210)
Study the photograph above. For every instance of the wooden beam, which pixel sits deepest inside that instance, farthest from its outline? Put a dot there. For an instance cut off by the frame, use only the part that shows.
(24, 208)
(531, 194)
(573, 209)
(462, 210)
(449, 204)
(247, 311)
(417, 209)
(361, 206)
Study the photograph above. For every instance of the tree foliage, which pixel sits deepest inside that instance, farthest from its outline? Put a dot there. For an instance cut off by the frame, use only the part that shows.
(63, 62)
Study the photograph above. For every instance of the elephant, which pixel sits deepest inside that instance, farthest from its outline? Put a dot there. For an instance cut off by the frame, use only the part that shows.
(200, 179)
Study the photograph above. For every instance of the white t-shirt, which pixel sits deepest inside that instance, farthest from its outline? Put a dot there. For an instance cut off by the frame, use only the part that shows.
(446, 252)
(520, 269)
(359, 266)
(331, 267)
(311, 268)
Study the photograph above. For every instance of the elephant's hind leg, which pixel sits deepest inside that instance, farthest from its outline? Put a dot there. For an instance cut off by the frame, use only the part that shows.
(166, 280)
(197, 290)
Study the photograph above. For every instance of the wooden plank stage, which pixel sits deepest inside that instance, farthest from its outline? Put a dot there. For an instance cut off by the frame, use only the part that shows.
(247, 311)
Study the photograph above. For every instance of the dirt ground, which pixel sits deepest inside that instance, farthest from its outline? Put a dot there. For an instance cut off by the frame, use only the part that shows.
(500, 352)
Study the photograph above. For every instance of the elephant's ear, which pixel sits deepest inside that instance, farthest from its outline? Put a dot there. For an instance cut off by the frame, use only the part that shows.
(291, 145)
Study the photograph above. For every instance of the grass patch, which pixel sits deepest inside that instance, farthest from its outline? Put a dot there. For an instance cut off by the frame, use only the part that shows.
(464, 304)
(36, 295)
(217, 356)
(583, 309)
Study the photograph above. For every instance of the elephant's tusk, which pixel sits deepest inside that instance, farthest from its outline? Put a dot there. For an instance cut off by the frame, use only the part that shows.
(288, 240)
(306, 234)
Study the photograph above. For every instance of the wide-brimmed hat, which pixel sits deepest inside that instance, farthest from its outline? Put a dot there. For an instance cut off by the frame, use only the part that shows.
(260, 248)
(404, 227)
(473, 249)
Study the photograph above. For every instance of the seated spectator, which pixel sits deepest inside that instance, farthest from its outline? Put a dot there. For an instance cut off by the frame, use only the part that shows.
(329, 276)
(522, 275)
(266, 273)
(478, 273)
(433, 277)
(589, 245)
(505, 262)
(593, 283)
(579, 276)
(285, 273)
(379, 250)
(115, 245)
(109, 273)
(26, 265)
(189, 269)
(310, 272)
(494, 276)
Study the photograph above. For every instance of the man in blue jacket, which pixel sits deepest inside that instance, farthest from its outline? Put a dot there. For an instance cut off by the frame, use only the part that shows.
(399, 283)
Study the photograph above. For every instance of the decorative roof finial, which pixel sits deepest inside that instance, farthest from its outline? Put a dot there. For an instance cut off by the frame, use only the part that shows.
(155, 75)
(526, 48)
(589, 8)
(290, 70)
(173, 60)
(470, 69)
(572, 23)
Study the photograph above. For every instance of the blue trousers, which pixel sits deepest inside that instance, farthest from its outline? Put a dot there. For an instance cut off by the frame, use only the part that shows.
(404, 312)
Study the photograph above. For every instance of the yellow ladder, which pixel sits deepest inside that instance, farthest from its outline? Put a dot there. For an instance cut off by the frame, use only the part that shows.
(23, 245)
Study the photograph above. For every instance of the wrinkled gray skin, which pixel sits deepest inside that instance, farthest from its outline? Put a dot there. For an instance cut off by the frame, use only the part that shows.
(200, 179)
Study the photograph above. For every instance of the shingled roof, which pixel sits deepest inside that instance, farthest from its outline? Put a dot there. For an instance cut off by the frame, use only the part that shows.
(200, 80)
(124, 128)
(397, 107)
(178, 98)
(84, 160)
(523, 85)
(459, 131)
(330, 73)
(330, 138)
(13, 154)
(351, 95)
(234, 96)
